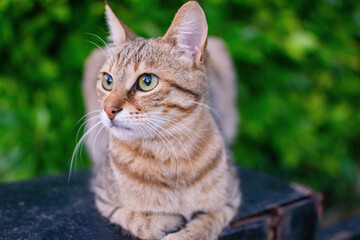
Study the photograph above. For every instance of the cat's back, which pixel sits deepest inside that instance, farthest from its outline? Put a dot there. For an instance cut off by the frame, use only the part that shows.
(223, 88)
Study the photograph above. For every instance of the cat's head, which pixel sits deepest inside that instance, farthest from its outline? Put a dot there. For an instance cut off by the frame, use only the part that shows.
(148, 86)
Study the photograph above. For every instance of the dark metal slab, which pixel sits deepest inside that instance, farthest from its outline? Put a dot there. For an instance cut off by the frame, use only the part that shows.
(299, 220)
(45, 208)
(346, 230)
(257, 229)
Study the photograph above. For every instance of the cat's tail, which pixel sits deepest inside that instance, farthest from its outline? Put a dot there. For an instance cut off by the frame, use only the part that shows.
(223, 88)
(97, 137)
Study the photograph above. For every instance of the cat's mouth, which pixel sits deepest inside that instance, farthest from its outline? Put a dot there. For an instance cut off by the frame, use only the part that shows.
(119, 125)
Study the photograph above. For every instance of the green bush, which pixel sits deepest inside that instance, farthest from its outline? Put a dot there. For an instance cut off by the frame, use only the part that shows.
(298, 64)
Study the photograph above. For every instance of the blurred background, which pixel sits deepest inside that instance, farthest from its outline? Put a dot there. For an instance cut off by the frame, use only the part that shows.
(298, 65)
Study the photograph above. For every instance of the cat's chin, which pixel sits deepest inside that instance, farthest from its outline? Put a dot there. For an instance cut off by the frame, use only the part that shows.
(124, 134)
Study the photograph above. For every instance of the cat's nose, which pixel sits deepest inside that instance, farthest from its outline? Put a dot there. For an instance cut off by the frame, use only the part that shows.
(112, 111)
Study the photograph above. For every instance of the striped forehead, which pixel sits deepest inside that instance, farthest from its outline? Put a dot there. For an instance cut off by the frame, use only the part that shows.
(128, 60)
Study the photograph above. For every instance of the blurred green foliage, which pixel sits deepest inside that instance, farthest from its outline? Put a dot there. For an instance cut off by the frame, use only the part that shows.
(298, 64)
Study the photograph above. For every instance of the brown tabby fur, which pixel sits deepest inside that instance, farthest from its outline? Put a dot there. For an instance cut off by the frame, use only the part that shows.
(162, 172)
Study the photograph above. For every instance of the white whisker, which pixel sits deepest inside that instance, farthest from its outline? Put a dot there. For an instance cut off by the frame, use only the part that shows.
(188, 157)
(107, 46)
(160, 136)
(78, 145)
(176, 156)
(208, 107)
(178, 130)
(84, 123)
(99, 48)
(138, 128)
(85, 115)
(149, 130)
(97, 134)
(182, 125)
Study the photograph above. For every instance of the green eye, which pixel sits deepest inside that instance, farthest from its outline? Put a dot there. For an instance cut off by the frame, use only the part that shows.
(107, 82)
(148, 82)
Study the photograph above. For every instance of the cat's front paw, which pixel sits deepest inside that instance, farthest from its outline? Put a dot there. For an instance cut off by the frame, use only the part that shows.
(195, 229)
(186, 235)
(147, 225)
(172, 236)
(177, 236)
(157, 226)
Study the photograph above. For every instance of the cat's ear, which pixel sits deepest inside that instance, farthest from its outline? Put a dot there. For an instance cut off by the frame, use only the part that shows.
(189, 30)
(119, 32)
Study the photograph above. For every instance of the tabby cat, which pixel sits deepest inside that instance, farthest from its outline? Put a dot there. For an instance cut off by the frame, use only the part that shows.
(161, 167)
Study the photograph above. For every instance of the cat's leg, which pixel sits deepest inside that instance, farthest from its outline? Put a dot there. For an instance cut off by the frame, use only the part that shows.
(206, 226)
(144, 225)
(147, 225)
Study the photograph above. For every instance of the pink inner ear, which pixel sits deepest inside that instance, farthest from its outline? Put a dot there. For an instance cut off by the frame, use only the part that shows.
(189, 27)
(192, 32)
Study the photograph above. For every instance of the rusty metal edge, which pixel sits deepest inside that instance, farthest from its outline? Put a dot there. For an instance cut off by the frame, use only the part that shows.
(273, 214)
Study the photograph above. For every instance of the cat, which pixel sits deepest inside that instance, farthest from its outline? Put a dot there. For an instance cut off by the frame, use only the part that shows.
(161, 169)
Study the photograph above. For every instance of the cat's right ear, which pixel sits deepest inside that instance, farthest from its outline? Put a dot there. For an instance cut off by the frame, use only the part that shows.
(119, 32)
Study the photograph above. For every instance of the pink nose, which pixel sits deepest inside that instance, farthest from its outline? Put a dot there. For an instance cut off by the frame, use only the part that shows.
(112, 111)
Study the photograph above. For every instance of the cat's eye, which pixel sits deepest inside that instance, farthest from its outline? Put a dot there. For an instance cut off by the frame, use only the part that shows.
(148, 82)
(107, 82)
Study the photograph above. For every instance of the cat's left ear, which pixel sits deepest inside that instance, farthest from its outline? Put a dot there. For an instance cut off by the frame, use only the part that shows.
(189, 30)
(119, 32)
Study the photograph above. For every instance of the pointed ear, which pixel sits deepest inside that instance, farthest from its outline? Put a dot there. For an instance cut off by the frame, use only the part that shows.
(189, 30)
(119, 32)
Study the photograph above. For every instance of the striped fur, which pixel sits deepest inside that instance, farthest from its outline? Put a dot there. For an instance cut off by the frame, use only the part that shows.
(161, 168)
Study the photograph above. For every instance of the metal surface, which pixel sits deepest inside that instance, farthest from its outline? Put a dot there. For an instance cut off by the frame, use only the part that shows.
(45, 208)
(346, 230)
